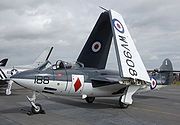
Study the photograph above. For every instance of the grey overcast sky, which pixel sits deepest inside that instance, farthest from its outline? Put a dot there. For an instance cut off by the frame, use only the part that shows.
(27, 27)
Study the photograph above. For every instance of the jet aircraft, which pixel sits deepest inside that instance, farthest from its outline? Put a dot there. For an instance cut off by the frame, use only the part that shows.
(88, 77)
(7, 72)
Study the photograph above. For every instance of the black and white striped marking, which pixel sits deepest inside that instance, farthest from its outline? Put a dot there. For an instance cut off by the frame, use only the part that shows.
(2, 75)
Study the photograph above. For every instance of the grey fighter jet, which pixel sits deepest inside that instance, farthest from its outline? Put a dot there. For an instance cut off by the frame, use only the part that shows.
(88, 77)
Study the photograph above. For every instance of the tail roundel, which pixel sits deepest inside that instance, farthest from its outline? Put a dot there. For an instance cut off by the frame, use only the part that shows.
(96, 50)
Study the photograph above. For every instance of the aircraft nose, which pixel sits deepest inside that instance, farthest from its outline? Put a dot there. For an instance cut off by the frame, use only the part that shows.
(24, 79)
(17, 78)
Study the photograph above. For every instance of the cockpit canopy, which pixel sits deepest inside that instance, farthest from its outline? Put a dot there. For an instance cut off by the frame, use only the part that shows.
(62, 65)
(66, 65)
(59, 65)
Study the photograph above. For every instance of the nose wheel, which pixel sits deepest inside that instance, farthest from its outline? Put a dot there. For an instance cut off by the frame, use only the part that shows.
(36, 108)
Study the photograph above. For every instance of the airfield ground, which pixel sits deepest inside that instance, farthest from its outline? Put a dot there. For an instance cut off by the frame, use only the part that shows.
(160, 107)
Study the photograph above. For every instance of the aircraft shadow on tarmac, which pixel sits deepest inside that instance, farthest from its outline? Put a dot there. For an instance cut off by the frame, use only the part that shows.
(17, 91)
(97, 104)
(147, 97)
(22, 110)
(3, 94)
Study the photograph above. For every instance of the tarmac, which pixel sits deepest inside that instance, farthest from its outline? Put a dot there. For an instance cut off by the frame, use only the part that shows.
(159, 107)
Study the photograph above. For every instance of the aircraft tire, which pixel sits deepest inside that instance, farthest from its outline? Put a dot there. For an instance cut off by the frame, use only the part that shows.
(90, 99)
(122, 105)
(38, 110)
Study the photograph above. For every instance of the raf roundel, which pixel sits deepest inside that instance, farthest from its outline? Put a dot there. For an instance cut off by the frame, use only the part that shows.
(117, 24)
(96, 46)
(153, 83)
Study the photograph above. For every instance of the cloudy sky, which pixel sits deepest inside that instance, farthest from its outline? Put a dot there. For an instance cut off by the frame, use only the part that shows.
(27, 27)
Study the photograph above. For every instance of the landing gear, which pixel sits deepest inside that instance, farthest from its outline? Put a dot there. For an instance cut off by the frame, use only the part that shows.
(36, 108)
(8, 90)
(126, 99)
(122, 105)
(90, 99)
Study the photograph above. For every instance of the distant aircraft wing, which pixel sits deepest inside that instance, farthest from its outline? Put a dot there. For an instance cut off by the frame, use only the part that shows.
(129, 61)
(160, 71)
(43, 57)
(3, 62)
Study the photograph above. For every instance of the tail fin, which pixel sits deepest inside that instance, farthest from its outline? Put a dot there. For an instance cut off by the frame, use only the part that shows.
(3, 62)
(96, 50)
(166, 72)
(43, 57)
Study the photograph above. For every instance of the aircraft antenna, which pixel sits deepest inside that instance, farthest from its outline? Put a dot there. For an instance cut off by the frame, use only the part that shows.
(103, 8)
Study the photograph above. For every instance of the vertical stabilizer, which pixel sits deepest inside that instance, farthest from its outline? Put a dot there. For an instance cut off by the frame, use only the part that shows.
(96, 50)
(166, 72)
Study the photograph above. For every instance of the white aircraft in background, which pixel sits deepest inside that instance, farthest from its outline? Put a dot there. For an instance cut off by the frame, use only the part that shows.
(7, 72)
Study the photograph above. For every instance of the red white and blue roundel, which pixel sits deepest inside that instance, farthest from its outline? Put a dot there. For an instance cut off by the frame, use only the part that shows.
(96, 46)
(117, 24)
(153, 83)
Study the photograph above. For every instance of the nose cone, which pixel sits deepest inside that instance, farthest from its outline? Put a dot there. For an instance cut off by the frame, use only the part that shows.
(18, 75)
(18, 79)
(24, 79)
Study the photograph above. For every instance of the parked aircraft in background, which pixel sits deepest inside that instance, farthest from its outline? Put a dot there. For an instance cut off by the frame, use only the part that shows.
(7, 72)
(88, 77)
(3, 62)
(160, 77)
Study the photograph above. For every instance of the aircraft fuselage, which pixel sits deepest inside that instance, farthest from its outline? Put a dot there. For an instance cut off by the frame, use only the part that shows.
(73, 82)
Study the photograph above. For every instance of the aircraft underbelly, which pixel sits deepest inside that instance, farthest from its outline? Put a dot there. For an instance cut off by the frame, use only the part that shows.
(86, 89)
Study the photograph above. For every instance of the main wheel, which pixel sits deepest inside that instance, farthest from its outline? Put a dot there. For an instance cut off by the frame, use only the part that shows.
(90, 99)
(121, 104)
(38, 110)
